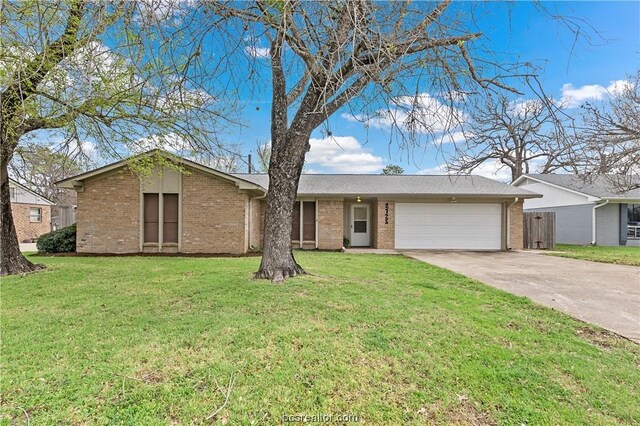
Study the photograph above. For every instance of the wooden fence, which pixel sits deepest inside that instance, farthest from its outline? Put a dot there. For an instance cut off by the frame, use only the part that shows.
(540, 230)
(62, 216)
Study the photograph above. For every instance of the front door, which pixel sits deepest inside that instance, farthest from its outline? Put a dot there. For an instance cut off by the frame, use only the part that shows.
(360, 225)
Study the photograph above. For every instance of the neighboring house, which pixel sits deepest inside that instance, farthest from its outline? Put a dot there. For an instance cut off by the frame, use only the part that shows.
(588, 211)
(208, 211)
(31, 212)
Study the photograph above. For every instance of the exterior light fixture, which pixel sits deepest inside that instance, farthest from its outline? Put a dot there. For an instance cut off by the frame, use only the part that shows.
(359, 200)
(453, 199)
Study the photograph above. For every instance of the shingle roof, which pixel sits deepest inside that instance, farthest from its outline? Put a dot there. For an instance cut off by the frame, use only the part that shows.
(596, 186)
(415, 185)
(352, 184)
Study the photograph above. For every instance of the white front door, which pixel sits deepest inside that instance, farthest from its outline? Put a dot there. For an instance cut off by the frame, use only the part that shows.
(360, 229)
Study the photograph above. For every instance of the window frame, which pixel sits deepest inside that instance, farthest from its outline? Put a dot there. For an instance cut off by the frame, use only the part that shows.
(165, 196)
(633, 226)
(38, 215)
(302, 241)
(145, 234)
(161, 219)
(633, 208)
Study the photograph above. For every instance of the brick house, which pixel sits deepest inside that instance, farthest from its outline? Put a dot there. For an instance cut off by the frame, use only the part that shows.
(203, 210)
(31, 212)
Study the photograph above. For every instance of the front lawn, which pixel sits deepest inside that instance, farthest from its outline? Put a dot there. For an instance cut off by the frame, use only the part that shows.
(620, 255)
(143, 340)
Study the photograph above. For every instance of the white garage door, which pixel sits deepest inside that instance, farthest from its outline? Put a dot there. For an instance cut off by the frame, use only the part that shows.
(448, 226)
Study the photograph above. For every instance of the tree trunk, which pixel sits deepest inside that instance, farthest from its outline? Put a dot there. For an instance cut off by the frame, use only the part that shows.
(11, 260)
(285, 168)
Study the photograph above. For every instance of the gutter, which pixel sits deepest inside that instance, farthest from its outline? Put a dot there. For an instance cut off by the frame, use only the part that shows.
(508, 242)
(593, 221)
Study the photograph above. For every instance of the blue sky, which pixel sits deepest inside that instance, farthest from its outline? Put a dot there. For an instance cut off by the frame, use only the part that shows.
(575, 73)
(569, 71)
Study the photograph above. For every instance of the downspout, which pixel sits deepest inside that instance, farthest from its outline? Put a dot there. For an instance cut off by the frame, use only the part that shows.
(593, 221)
(251, 215)
(508, 242)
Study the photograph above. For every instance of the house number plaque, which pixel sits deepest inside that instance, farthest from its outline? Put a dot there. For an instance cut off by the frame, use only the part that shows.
(386, 213)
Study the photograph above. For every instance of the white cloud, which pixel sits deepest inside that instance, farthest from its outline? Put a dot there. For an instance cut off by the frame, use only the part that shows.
(343, 154)
(167, 12)
(422, 113)
(618, 87)
(490, 169)
(257, 52)
(440, 169)
(573, 97)
(171, 142)
(451, 137)
(525, 107)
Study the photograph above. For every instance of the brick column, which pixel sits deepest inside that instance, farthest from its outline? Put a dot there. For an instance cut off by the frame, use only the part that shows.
(330, 224)
(384, 224)
(516, 237)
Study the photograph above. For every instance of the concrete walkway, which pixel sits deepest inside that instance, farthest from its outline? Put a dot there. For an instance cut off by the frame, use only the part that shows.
(600, 293)
(28, 247)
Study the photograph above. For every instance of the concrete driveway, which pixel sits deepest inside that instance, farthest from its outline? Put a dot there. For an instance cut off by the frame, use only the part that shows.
(600, 293)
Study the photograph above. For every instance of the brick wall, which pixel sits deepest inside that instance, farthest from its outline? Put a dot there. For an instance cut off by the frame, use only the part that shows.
(384, 233)
(108, 214)
(330, 224)
(26, 229)
(213, 215)
(516, 226)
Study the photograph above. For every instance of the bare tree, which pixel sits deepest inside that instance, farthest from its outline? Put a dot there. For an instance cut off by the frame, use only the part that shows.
(39, 167)
(610, 137)
(517, 134)
(264, 157)
(101, 71)
(227, 164)
(327, 55)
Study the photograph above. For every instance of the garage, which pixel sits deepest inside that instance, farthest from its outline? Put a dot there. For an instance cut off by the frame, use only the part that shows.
(448, 226)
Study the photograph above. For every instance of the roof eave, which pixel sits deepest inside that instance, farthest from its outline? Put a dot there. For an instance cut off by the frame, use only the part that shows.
(47, 201)
(77, 181)
(621, 200)
(525, 176)
(414, 194)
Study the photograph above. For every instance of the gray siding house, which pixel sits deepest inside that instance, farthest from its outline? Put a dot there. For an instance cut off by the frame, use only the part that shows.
(588, 211)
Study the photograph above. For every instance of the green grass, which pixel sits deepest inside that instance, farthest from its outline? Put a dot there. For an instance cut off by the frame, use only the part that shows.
(142, 341)
(620, 255)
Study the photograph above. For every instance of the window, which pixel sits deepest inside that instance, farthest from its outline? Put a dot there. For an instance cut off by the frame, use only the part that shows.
(295, 223)
(151, 217)
(633, 221)
(170, 218)
(633, 214)
(309, 220)
(304, 213)
(35, 215)
(360, 218)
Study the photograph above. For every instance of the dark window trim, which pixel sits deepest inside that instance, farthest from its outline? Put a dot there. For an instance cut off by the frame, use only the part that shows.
(300, 219)
(151, 217)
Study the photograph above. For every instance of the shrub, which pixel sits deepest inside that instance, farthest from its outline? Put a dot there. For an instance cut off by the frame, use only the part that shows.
(345, 242)
(60, 241)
